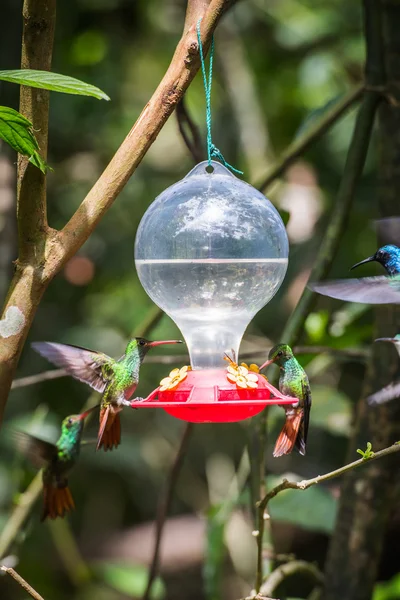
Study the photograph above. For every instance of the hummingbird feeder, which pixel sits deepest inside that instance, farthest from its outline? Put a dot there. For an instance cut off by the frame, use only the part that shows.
(211, 251)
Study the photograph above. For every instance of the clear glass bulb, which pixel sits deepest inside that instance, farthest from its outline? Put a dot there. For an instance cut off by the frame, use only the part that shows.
(211, 251)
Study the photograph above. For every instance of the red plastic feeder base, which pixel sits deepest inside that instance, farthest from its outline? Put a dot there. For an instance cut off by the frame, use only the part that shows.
(206, 396)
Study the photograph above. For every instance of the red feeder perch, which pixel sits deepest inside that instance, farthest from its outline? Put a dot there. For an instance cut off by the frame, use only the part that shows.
(207, 396)
(211, 251)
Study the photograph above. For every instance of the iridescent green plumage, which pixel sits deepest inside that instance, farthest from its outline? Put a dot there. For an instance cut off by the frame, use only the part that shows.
(57, 460)
(117, 380)
(293, 381)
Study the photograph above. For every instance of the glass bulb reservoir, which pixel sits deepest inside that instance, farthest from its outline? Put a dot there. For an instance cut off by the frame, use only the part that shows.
(211, 251)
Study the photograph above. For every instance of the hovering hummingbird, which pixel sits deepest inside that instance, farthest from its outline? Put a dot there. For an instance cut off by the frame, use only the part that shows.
(391, 391)
(293, 381)
(58, 460)
(368, 290)
(117, 380)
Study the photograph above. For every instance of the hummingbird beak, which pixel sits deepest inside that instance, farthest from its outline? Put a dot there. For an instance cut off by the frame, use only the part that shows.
(268, 362)
(386, 340)
(362, 262)
(83, 415)
(162, 342)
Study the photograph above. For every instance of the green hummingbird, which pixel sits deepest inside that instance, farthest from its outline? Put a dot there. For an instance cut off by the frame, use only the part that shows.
(293, 381)
(117, 379)
(391, 391)
(57, 460)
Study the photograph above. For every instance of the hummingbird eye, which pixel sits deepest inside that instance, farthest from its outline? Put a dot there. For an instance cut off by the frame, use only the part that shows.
(280, 353)
(142, 343)
(70, 421)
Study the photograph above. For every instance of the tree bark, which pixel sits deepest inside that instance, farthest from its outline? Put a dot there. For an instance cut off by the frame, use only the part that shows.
(44, 251)
(367, 495)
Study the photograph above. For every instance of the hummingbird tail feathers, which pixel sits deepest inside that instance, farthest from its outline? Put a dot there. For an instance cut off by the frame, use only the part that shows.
(289, 435)
(56, 501)
(110, 429)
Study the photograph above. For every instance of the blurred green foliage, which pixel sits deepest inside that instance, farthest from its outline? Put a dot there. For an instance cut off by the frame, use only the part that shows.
(278, 65)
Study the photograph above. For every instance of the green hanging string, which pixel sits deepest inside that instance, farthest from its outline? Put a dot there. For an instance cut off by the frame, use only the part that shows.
(212, 151)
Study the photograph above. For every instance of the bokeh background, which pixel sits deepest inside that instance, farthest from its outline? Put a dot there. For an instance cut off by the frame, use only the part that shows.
(279, 66)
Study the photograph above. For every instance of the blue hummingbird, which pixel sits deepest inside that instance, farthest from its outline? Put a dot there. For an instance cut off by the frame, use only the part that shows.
(368, 290)
(391, 391)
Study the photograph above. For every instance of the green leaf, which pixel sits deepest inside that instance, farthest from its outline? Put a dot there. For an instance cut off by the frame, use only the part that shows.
(367, 453)
(285, 216)
(313, 509)
(53, 81)
(129, 579)
(215, 551)
(16, 130)
(388, 590)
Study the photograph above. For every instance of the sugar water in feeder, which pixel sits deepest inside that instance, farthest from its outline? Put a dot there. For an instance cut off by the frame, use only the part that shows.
(211, 251)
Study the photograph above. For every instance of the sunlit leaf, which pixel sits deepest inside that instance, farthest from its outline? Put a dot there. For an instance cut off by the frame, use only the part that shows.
(53, 81)
(129, 579)
(389, 590)
(16, 130)
(293, 507)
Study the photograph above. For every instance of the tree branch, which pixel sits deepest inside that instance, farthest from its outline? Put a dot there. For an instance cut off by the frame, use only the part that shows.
(183, 68)
(39, 17)
(305, 142)
(293, 567)
(192, 140)
(24, 584)
(52, 249)
(304, 485)
(164, 504)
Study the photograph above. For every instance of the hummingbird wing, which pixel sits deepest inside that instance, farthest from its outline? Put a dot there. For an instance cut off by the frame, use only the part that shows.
(39, 452)
(390, 392)
(93, 368)
(367, 290)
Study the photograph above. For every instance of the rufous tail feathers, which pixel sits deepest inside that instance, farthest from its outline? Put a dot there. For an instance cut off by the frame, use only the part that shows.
(56, 501)
(289, 434)
(110, 429)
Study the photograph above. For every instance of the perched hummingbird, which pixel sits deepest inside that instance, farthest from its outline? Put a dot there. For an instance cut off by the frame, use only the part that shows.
(368, 290)
(58, 460)
(391, 391)
(117, 380)
(293, 381)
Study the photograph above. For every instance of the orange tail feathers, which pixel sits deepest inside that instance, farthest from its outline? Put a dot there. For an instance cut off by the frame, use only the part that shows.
(110, 429)
(287, 437)
(56, 501)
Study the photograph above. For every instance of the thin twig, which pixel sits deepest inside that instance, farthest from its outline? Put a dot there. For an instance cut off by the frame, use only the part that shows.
(32, 379)
(24, 584)
(20, 513)
(192, 141)
(300, 146)
(279, 575)
(169, 359)
(164, 504)
(307, 483)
